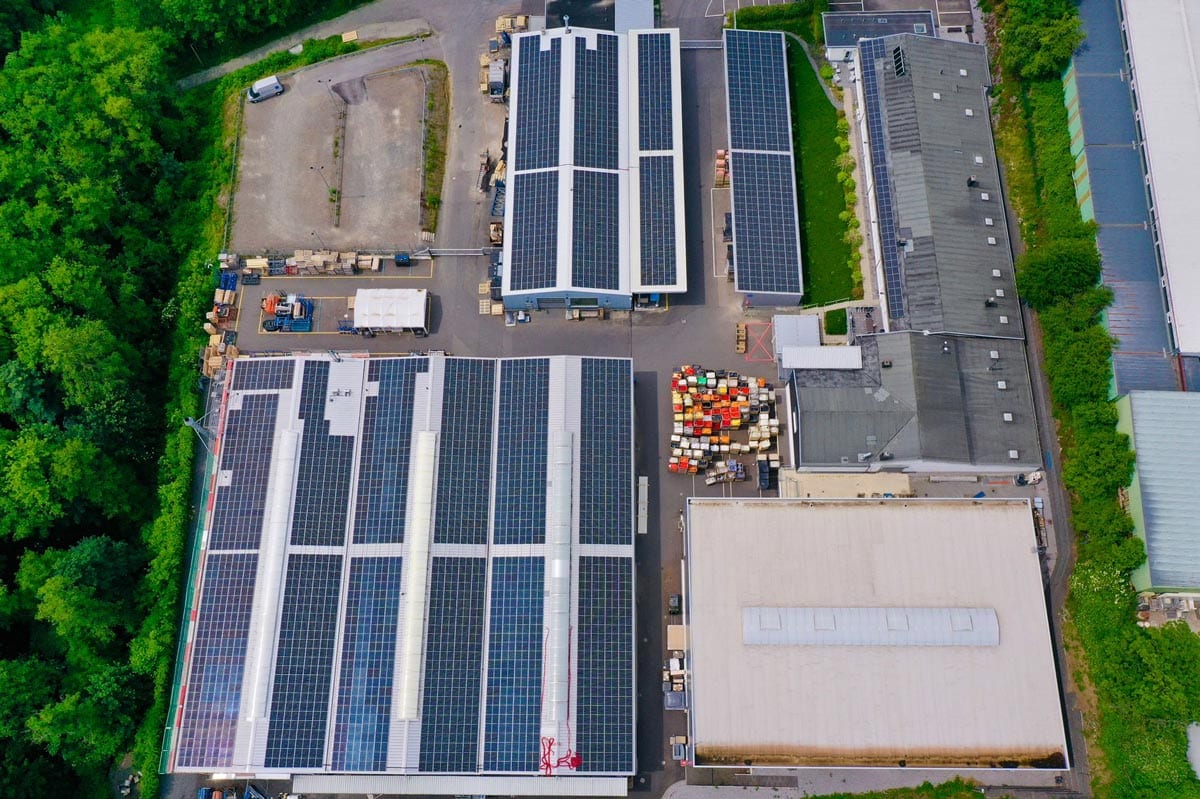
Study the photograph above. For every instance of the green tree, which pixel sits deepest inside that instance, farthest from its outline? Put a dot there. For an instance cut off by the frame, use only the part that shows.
(1056, 271)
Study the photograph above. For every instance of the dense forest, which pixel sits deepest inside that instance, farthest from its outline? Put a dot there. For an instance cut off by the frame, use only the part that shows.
(103, 197)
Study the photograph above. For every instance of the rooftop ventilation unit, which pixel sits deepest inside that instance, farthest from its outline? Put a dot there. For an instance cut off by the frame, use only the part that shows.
(1008, 417)
(983, 195)
(999, 292)
(1013, 455)
(995, 273)
(937, 95)
(1002, 385)
(962, 73)
(994, 355)
(1004, 320)
(969, 112)
(991, 240)
(987, 220)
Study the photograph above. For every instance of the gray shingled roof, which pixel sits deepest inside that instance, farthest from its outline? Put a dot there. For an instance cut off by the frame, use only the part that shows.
(937, 400)
(941, 162)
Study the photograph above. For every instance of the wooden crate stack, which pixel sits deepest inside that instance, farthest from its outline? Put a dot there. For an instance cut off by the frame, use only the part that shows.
(709, 409)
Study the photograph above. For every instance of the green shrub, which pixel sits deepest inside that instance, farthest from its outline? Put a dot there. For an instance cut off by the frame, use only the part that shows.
(1057, 270)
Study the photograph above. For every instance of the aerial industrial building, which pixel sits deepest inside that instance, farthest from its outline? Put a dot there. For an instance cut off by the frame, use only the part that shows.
(1164, 431)
(416, 576)
(594, 213)
(762, 167)
(876, 633)
(845, 29)
(1111, 188)
(938, 379)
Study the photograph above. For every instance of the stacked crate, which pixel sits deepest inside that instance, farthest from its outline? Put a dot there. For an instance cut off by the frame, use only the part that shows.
(709, 409)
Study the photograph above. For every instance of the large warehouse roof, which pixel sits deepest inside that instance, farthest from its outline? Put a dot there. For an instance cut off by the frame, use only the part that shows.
(922, 403)
(942, 239)
(1110, 185)
(869, 633)
(416, 566)
(595, 205)
(1164, 427)
(766, 226)
(1164, 37)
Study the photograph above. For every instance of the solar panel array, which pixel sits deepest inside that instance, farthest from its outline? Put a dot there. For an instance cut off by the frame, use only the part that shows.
(534, 260)
(871, 51)
(766, 231)
(596, 230)
(323, 473)
(655, 89)
(605, 452)
(538, 104)
(756, 78)
(453, 656)
(605, 704)
(263, 374)
(514, 690)
(304, 662)
(521, 445)
(597, 108)
(382, 490)
(766, 247)
(656, 208)
(330, 665)
(360, 731)
(246, 449)
(465, 459)
(218, 660)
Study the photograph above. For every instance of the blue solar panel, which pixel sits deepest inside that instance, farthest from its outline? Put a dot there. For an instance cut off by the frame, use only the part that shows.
(304, 662)
(263, 374)
(606, 452)
(538, 88)
(596, 108)
(604, 737)
(871, 51)
(656, 207)
(521, 442)
(535, 231)
(465, 461)
(756, 80)
(214, 690)
(246, 447)
(382, 490)
(323, 474)
(655, 90)
(360, 732)
(512, 740)
(453, 656)
(765, 227)
(595, 246)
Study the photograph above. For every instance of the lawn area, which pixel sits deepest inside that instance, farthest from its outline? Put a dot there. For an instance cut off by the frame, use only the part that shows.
(947, 790)
(827, 273)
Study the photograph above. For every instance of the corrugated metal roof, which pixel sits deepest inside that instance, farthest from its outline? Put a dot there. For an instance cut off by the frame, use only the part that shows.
(459, 785)
(1166, 437)
(795, 330)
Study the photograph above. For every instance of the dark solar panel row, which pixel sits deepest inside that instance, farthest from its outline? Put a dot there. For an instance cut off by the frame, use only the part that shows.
(535, 231)
(756, 77)
(304, 662)
(512, 739)
(214, 691)
(871, 51)
(263, 374)
(596, 225)
(382, 490)
(453, 657)
(323, 473)
(538, 88)
(596, 107)
(765, 224)
(605, 671)
(521, 442)
(606, 452)
(655, 124)
(656, 193)
(360, 731)
(465, 446)
(246, 446)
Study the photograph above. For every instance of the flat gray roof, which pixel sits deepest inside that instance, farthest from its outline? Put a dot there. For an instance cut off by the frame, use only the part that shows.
(846, 28)
(926, 401)
(951, 663)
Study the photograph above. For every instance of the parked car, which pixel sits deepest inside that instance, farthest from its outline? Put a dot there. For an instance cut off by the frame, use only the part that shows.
(675, 604)
(264, 89)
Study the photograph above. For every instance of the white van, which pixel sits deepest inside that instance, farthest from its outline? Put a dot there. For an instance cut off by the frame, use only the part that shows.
(264, 89)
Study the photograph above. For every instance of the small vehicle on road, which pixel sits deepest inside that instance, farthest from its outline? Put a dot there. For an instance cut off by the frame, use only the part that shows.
(264, 89)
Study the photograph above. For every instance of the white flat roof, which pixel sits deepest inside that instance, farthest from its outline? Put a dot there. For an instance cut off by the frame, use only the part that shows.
(1164, 37)
(869, 633)
(834, 357)
(390, 308)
